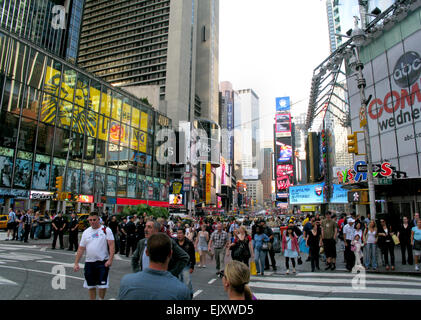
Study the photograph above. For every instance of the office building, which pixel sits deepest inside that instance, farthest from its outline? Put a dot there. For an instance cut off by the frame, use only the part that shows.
(165, 51)
(39, 22)
(57, 120)
(340, 15)
(266, 176)
(248, 113)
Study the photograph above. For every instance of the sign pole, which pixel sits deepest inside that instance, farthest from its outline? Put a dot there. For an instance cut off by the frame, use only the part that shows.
(361, 85)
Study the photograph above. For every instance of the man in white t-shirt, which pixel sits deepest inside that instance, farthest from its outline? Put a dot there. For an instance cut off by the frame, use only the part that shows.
(98, 242)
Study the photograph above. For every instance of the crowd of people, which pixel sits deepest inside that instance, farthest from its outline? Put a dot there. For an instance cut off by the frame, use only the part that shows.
(166, 249)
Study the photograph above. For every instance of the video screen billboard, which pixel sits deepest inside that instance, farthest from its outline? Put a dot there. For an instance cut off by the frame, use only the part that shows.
(284, 164)
(283, 125)
(283, 149)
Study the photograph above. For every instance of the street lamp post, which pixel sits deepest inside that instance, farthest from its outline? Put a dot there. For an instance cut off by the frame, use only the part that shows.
(358, 37)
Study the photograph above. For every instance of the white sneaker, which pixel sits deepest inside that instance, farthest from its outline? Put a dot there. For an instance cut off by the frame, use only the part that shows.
(417, 268)
(287, 271)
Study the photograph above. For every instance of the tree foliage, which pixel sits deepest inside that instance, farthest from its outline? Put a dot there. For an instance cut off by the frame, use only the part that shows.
(156, 212)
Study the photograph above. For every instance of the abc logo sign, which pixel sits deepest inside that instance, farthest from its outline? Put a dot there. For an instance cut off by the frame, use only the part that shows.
(407, 70)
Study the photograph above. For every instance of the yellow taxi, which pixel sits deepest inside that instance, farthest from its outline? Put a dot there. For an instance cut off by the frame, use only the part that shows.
(3, 221)
(83, 221)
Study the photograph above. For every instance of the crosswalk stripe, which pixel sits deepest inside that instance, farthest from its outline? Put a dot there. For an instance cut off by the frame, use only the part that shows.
(351, 275)
(335, 289)
(16, 247)
(337, 281)
(270, 296)
(44, 272)
(68, 265)
(197, 293)
(23, 256)
(211, 281)
(4, 281)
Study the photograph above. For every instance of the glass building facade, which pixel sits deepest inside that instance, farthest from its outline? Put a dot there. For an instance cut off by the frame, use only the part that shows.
(56, 120)
(33, 20)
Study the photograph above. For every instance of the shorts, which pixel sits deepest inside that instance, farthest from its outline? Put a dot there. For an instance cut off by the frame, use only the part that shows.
(96, 275)
(417, 253)
(11, 225)
(330, 248)
(202, 248)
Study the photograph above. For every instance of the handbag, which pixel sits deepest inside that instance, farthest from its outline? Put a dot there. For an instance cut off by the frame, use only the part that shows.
(299, 260)
(253, 269)
(395, 239)
(265, 246)
(197, 257)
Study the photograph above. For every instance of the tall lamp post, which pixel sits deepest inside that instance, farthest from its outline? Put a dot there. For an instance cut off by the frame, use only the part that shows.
(358, 38)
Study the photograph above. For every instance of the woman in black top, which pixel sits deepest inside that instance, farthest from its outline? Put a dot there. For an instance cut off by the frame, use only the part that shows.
(314, 242)
(386, 244)
(404, 235)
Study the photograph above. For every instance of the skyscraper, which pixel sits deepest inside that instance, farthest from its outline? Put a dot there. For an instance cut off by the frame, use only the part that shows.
(166, 51)
(340, 15)
(249, 122)
(33, 20)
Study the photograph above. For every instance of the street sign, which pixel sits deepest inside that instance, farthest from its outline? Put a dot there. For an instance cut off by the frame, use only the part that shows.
(362, 116)
(383, 182)
(363, 168)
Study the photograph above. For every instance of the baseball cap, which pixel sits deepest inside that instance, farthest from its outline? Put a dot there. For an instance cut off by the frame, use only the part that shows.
(351, 220)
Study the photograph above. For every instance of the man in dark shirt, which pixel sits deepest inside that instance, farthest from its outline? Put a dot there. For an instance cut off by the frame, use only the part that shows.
(188, 247)
(307, 228)
(131, 236)
(27, 224)
(140, 230)
(113, 225)
(268, 231)
(123, 236)
(73, 232)
(59, 224)
(154, 282)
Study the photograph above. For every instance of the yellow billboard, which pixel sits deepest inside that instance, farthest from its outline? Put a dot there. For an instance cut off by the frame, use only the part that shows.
(208, 182)
(85, 116)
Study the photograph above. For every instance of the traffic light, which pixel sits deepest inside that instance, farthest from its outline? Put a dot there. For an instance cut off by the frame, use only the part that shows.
(59, 184)
(353, 143)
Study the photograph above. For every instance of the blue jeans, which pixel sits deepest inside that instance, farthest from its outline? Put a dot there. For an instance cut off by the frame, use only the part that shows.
(259, 258)
(36, 232)
(20, 233)
(185, 277)
(370, 253)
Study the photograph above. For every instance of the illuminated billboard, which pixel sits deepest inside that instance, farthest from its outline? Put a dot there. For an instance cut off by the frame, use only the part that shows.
(111, 120)
(392, 68)
(283, 104)
(283, 125)
(284, 152)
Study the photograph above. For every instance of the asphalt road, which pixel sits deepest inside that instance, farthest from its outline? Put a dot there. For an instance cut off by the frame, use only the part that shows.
(29, 272)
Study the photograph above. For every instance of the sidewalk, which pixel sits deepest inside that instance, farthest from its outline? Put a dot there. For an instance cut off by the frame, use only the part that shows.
(41, 242)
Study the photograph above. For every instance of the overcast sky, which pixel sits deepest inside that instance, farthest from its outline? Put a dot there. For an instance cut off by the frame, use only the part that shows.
(272, 47)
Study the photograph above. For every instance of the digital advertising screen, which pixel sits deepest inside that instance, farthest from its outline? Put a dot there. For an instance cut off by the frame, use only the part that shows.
(283, 125)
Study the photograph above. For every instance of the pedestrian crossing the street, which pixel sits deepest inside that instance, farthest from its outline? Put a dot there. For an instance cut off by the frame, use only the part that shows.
(333, 286)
